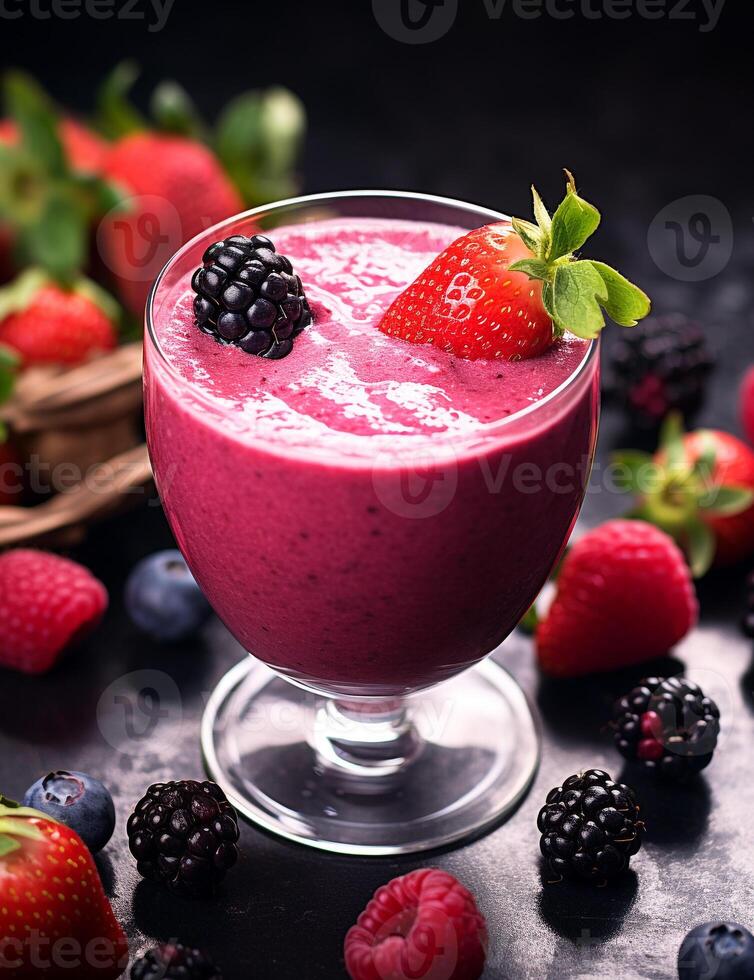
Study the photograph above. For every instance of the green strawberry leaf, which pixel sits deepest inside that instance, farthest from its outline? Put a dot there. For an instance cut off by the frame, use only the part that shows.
(530, 621)
(534, 268)
(671, 442)
(58, 241)
(258, 139)
(726, 501)
(8, 845)
(100, 297)
(700, 547)
(17, 295)
(174, 111)
(541, 214)
(530, 235)
(115, 115)
(636, 472)
(30, 107)
(578, 294)
(626, 303)
(9, 362)
(573, 223)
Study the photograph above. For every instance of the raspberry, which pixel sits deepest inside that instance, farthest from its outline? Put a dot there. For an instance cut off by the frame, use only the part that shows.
(46, 603)
(624, 596)
(423, 926)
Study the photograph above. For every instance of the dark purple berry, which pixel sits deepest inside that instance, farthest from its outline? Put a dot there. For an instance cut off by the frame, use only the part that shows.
(590, 827)
(174, 961)
(246, 287)
(183, 835)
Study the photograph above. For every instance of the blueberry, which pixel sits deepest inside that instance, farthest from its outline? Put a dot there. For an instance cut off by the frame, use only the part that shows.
(77, 800)
(723, 950)
(163, 599)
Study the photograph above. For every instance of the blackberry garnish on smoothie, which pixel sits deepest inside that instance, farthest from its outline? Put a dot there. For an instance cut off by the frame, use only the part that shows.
(248, 295)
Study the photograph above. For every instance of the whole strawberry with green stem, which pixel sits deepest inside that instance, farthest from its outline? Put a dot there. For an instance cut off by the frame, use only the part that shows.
(55, 918)
(698, 488)
(509, 290)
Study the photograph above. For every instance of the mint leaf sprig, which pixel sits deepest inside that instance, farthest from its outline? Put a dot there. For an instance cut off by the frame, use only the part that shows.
(678, 494)
(577, 293)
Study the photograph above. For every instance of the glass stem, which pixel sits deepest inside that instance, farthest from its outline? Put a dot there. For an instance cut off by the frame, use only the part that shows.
(368, 741)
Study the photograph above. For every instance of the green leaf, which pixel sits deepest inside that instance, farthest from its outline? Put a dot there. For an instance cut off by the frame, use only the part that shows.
(726, 501)
(258, 139)
(15, 297)
(529, 234)
(58, 241)
(578, 292)
(115, 114)
(700, 547)
(672, 443)
(573, 223)
(530, 620)
(37, 119)
(9, 362)
(8, 845)
(97, 295)
(626, 303)
(175, 112)
(639, 474)
(541, 214)
(534, 268)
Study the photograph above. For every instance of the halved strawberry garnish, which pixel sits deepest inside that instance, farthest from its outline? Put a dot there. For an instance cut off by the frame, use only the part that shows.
(508, 290)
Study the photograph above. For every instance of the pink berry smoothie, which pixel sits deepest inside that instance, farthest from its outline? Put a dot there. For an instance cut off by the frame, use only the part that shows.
(368, 516)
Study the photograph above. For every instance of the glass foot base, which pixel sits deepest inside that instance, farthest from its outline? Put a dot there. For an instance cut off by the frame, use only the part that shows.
(462, 759)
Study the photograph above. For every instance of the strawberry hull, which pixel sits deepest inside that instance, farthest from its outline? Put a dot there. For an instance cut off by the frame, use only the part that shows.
(368, 516)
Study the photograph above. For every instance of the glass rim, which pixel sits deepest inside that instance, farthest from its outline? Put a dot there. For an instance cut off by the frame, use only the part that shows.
(431, 445)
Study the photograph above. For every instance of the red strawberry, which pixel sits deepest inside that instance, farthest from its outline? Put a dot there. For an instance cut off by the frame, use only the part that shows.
(747, 404)
(422, 926)
(11, 473)
(624, 596)
(732, 466)
(698, 488)
(179, 189)
(46, 604)
(51, 325)
(469, 303)
(55, 919)
(86, 151)
(509, 290)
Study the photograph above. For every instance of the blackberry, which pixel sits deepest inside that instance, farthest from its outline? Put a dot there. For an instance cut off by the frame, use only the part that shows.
(590, 827)
(667, 725)
(747, 623)
(248, 295)
(174, 961)
(719, 950)
(183, 835)
(659, 366)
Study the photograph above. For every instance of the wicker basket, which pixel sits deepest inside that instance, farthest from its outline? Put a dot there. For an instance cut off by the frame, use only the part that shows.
(80, 431)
